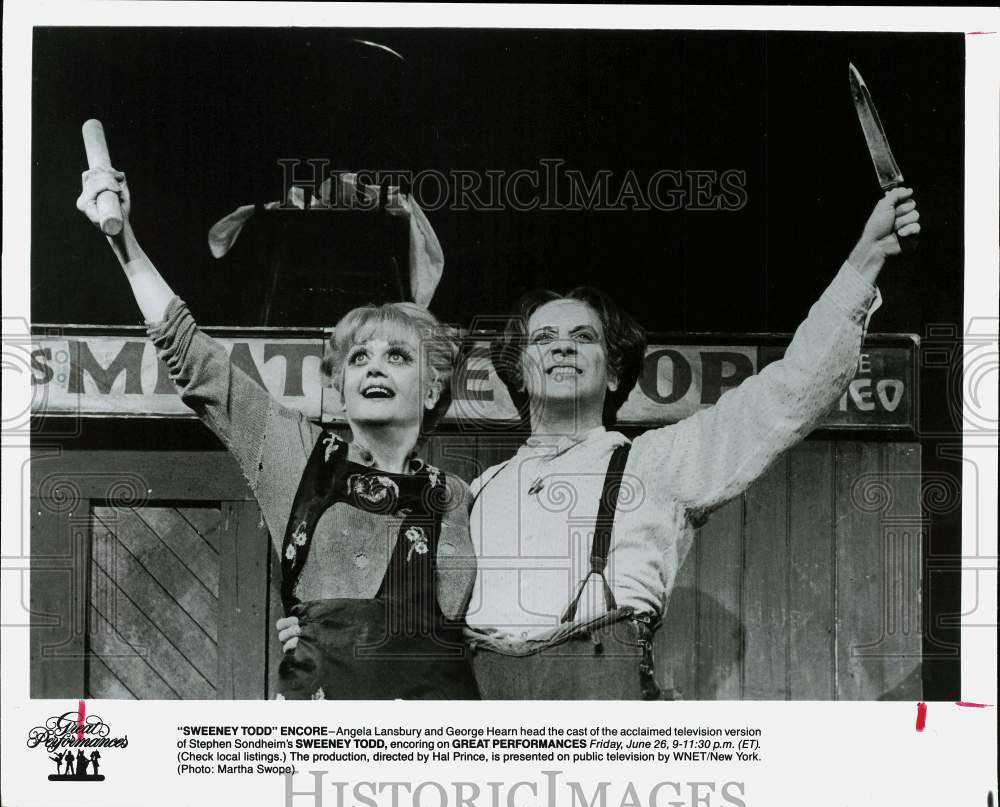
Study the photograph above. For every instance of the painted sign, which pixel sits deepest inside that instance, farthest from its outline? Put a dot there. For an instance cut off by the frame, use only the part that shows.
(109, 374)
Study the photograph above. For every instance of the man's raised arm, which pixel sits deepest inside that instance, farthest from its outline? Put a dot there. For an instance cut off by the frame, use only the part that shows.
(712, 456)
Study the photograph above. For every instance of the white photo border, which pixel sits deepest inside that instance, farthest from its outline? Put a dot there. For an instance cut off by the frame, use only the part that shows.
(820, 753)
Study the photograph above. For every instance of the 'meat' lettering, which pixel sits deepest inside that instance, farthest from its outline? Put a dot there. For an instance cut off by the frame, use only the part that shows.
(128, 360)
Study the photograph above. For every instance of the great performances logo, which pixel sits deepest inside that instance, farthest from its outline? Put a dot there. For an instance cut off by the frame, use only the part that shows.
(77, 731)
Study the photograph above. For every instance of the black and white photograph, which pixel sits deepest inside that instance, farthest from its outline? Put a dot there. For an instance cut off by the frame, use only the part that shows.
(465, 362)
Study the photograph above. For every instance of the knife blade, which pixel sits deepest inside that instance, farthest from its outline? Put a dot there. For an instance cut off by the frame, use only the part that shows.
(889, 175)
(886, 169)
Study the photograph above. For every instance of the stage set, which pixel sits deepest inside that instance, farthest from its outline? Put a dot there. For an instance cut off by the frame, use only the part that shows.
(153, 576)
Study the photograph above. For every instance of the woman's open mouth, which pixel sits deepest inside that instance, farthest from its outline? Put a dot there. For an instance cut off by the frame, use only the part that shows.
(377, 392)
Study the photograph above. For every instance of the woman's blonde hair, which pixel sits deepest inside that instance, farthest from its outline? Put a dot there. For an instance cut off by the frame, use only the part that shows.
(439, 343)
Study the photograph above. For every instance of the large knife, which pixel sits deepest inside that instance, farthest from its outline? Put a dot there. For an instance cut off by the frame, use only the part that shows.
(886, 169)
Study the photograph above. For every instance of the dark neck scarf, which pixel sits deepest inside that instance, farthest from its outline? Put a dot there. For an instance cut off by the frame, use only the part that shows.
(329, 477)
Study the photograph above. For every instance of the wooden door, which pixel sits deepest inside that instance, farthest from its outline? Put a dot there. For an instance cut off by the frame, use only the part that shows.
(149, 578)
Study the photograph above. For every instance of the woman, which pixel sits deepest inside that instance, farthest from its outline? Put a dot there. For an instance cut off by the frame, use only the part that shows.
(376, 558)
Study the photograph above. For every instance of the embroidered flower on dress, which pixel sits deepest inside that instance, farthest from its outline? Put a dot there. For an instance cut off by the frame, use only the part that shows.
(373, 489)
(319, 695)
(418, 541)
(433, 474)
(279, 697)
(290, 552)
(332, 444)
(299, 536)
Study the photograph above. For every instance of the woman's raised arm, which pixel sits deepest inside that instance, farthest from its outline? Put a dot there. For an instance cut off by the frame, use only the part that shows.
(150, 289)
(233, 405)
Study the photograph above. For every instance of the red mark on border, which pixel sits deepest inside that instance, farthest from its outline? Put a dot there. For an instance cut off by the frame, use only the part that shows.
(971, 705)
(979, 33)
(921, 716)
(81, 715)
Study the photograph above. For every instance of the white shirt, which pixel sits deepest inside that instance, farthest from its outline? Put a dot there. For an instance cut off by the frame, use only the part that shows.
(532, 523)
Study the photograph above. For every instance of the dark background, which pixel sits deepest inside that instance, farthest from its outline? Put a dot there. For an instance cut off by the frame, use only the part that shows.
(199, 117)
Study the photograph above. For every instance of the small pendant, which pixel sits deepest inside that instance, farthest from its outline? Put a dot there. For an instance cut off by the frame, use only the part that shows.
(536, 487)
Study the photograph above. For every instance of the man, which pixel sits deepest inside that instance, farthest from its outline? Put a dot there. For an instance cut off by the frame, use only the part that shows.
(571, 362)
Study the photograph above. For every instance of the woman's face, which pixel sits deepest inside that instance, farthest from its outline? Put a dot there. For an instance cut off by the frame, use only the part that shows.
(383, 382)
(565, 357)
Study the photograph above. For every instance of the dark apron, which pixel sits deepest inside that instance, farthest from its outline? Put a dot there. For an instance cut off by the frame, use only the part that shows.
(398, 644)
(609, 658)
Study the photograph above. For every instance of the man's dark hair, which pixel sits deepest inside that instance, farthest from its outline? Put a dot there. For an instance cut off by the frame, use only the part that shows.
(624, 339)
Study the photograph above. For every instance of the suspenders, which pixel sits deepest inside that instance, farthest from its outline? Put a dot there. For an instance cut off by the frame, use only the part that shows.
(580, 669)
(602, 532)
(602, 527)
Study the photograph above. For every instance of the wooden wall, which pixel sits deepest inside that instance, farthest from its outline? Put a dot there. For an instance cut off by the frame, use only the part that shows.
(808, 586)
(151, 578)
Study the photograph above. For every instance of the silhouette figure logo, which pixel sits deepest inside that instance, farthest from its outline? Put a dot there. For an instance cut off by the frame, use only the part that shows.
(74, 769)
(74, 741)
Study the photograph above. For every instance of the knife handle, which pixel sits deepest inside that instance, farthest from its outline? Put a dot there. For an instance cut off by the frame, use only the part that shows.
(907, 243)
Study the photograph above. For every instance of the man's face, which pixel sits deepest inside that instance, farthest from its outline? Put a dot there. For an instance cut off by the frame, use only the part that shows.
(566, 358)
(382, 379)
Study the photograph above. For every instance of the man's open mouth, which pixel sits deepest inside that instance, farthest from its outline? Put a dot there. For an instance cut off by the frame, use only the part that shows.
(563, 370)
